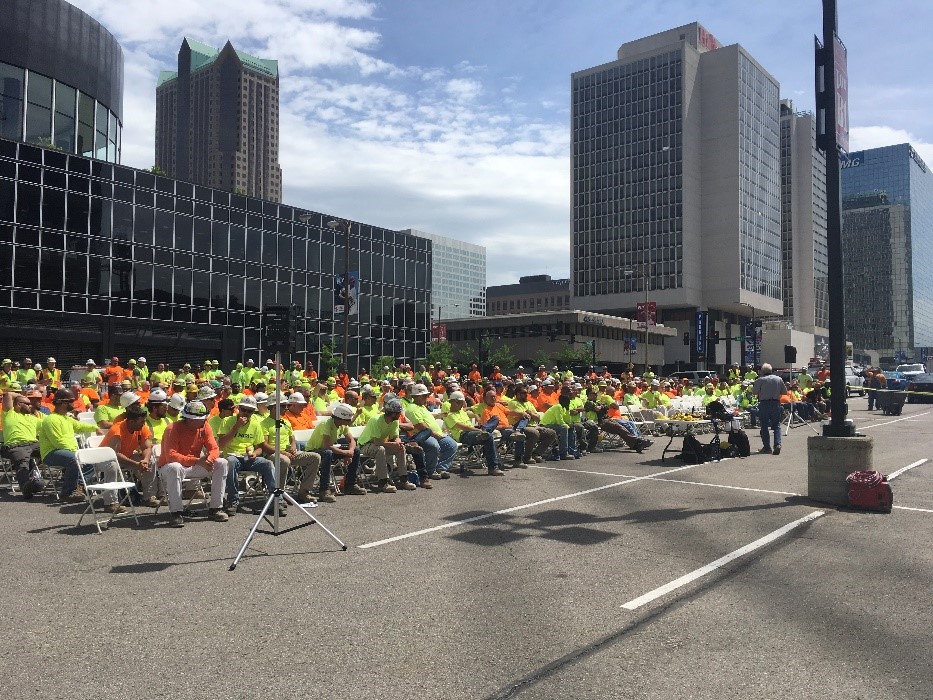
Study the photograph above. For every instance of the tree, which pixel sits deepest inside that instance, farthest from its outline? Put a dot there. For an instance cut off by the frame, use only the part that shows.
(503, 357)
(379, 367)
(571, 355)
(49, 144)
(542, 358)
(440, 354)
(156, 170)
(330, 359)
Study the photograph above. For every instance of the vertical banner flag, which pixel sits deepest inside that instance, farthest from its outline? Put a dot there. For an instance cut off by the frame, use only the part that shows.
(699, 329)
(841, 68)
(646, 313)
(438, 331)
(340, 292)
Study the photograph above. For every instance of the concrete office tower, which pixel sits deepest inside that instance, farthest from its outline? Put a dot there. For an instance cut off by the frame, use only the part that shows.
(458, 277)
(805, 262)
(887, 235)
(217, 121)
(676, 178)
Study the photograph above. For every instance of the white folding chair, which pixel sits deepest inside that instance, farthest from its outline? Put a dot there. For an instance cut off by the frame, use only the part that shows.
(97, 459)
(94, 440)
(87, 417)
(302, 437)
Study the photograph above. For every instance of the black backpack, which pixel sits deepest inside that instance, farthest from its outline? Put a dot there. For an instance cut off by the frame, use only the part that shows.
(694, 451)
(739, 440)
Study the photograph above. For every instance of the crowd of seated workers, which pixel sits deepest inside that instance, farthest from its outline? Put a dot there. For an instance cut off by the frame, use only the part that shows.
(392, 430)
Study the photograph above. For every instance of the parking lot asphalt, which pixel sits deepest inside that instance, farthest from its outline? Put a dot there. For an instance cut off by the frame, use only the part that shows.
(499, 587)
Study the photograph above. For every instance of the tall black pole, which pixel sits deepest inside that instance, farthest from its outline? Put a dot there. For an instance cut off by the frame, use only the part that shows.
(837, 427)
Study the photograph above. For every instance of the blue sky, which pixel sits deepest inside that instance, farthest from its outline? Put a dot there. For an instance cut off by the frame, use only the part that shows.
(452, 116)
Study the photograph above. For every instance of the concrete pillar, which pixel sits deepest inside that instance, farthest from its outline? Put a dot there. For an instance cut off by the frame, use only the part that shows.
(830, 460)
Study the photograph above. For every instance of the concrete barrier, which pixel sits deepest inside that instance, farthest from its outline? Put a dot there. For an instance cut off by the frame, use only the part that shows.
(830, 460)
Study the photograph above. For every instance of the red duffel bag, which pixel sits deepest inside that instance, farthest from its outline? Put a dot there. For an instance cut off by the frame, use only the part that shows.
(870, 491)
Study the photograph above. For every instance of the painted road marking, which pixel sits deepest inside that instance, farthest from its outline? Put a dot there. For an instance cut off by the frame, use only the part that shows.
(919, 510)
(894, 475)
(513, 509)
(896, 420)
(722, 561)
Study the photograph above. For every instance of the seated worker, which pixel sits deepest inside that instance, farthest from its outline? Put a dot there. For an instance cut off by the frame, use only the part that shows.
(586, 432)
(106, 413)
(189, 451)
(367, 408)
(380, 441)
(131, 440)
(557, 418)
(461, 427)
(57, 445)
(598, 411)
(439, 449)
(242, 443)
(325, 441)
(21, 441)
(298, 414)
(290, 456)
(524, 417)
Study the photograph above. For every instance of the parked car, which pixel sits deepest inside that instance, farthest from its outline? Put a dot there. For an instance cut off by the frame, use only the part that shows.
(699, 376)
(895, 380)
(922, 383)
(855, 382)
(911, 370)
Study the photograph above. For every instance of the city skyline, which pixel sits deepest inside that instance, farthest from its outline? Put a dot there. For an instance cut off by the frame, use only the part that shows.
(390, 117)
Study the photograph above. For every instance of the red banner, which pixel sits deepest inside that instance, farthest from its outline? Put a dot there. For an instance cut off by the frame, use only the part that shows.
(652, 315)
(438, 331)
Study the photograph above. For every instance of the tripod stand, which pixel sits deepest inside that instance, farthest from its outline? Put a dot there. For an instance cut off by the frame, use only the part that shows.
(278, 494)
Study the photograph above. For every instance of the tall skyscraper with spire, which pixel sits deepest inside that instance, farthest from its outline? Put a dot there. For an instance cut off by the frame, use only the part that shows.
(217, 120)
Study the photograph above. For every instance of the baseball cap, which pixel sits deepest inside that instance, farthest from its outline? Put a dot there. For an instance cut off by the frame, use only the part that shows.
(343, 412)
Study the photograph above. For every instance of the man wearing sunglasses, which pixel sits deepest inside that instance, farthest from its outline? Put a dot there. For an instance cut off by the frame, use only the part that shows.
(21, 442)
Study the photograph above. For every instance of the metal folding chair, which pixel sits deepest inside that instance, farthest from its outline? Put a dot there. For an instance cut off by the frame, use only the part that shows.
(95, 460)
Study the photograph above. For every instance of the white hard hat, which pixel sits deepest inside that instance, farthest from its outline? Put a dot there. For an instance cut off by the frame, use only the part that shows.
(247, 401)
(419, 390)
(177, 401)
(343, 412)
(128, 398)
(297, 399)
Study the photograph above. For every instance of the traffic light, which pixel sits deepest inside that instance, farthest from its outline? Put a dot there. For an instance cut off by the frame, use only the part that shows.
(686, 337)
(573, 339)
(716, 337)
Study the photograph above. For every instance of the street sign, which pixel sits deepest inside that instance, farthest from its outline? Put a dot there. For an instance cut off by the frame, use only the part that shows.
(699, 328)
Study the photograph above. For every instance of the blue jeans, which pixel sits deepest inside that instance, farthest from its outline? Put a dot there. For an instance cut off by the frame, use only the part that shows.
(327, 461)
(236, 463)
(770, 414)
(71, 473)
(438, 452)
(477, 437)
(563, 438)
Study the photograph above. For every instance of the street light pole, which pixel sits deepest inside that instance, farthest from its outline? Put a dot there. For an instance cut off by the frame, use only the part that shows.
(345, 227)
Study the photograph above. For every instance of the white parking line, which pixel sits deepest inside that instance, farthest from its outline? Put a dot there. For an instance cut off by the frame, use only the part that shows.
(723, 486)
(513, 509)
(722, 561)
(919, 510)
(896, 420)
(894, 475)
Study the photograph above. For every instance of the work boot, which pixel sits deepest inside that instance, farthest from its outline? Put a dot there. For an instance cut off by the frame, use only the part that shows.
(325, 496)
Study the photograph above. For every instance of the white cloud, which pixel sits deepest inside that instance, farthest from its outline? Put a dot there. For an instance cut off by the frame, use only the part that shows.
(865, 137)
(429, 147)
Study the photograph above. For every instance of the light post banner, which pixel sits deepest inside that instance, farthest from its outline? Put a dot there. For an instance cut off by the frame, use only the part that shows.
(841, 68)
(438, 331)
(340, 291)
(646, 312)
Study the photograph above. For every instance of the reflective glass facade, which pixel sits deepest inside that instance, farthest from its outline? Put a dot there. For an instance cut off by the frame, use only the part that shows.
(86, 240)
(627, 178)
(888, 238)
(37, 109)
(759, 178)
(458, 277)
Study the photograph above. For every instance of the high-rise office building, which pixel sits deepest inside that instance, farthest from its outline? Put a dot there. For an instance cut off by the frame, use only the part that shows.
(458, 277)
(887, 233)
(805, 260)
(676, 184)
(217, 121)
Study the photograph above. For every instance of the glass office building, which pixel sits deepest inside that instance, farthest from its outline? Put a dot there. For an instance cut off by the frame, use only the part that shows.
(887, 229)
(104, 259)
(458, 277)
(61, 79)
